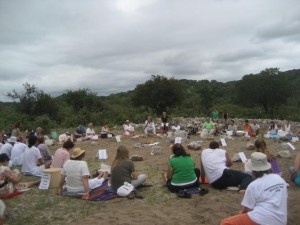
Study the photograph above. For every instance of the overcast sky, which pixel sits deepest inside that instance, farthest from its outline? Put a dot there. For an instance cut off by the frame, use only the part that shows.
(110, 46)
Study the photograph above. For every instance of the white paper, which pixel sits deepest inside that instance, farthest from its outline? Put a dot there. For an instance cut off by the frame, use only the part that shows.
(291, 146)
(243, 157)
(105, 168)
(95, 137)
(45, 181)
(178, 140)
(118, 139)
(109, 135)
(295, 139)
(223, 142)
(102, 154)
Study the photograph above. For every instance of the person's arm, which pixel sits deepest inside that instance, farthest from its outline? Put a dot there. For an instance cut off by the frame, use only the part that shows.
(169, 173)
(296, 167)
(61, 184)
(85, 181)
(40, 162)
(228, 160)
(245, 210)
(11, 178)
(202, 171)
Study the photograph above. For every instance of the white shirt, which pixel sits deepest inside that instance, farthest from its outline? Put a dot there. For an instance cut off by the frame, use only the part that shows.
(214, 163)
(287, 128)
(128, 128)
(6, 148)
(90, 132)
(267, 197)
(17, 153)
(176, 128)
(74, 170)
(30, 159)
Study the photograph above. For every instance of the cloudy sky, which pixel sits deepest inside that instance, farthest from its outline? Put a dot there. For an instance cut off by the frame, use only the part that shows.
(110, 46)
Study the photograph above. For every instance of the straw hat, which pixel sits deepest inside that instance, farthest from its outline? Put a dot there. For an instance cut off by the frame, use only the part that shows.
(77, 152)
(258, 162)
(127, 121)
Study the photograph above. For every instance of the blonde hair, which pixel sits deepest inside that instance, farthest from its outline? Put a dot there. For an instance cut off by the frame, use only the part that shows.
(261, 146)
(122, 154)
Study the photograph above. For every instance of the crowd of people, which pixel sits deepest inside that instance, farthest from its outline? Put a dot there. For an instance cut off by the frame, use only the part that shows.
(32, 156)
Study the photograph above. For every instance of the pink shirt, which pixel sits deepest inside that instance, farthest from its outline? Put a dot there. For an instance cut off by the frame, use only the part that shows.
(60, 157)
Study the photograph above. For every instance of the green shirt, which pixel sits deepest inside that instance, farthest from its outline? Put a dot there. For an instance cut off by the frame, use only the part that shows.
(208, 125)
(183, 169)
(215, 115)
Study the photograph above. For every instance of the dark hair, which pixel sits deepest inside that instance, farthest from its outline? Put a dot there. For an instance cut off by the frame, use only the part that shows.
(214, 145)
(32, 140)
(41, 139)
(178, 150)
(4, 158)
(246, 121)
(18, 124)
(232, 121)
(68, 144)
(258, 174)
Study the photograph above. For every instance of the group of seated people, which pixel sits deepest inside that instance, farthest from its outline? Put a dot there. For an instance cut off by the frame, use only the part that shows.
(181, 174)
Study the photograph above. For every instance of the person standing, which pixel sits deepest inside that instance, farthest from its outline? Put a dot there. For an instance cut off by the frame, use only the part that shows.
(215, 115)
(164, 123)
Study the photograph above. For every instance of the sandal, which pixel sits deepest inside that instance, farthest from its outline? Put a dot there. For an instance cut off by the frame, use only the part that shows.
(184, 194)
(202, 191)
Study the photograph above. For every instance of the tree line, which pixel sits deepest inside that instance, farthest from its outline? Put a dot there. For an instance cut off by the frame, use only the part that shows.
(268, 94)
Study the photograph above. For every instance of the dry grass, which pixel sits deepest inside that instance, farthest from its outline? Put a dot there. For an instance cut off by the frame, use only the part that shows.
(159, 206)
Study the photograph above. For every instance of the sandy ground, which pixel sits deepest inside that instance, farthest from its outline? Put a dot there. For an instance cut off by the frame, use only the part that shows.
(159, 206)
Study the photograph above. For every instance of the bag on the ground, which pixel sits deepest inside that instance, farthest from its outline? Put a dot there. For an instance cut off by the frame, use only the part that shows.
(125, 189)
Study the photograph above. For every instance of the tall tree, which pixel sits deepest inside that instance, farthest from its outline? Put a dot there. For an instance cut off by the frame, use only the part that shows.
(266, 89)
(158, 93)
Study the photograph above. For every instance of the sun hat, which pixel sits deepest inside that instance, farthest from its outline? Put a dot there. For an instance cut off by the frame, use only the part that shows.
(12, 139)
(77, 152)
(258, 162)
(127, 121)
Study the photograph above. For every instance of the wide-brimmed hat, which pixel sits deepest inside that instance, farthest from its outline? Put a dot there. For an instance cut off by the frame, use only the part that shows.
(258, 162)
(77, 152)
(12, 139)
(127, 121)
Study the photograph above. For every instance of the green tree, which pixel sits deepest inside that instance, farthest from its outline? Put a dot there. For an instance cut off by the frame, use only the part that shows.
(158, 93)
(267, 89)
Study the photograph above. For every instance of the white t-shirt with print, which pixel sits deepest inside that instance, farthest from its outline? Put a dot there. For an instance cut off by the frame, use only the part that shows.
(267, 197)
(74, 170)
(214, 163)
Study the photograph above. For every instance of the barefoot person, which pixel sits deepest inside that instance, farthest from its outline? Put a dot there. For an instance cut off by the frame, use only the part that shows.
(265, 200)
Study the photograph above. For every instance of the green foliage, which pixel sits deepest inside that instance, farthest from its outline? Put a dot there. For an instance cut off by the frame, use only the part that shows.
(158, 93)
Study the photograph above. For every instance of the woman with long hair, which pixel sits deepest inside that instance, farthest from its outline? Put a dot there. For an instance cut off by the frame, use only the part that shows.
(123, 170)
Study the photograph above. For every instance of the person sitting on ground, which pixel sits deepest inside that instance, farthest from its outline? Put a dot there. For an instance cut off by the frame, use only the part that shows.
(287, 127)
(214, 165)
(44, 150)
(90, 131)
(164, 123)
(248, 129)
(208, 127)
(295, 171)
(175, 127)
(80, 132)
(219, 128)
(29, 132)
(10, 179)
(17, 153)
(149, 127)
(75, 174)
(255, 127)
(105, 131)
(65, 137)
(61, 155)
(123, 170)
(182, 173)
(265, 200)
(8, 146)
(261, 146)
(272, 131)
(232, 127)
(192, 128)
(33, 164)
(128, 129)
(16, 132)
